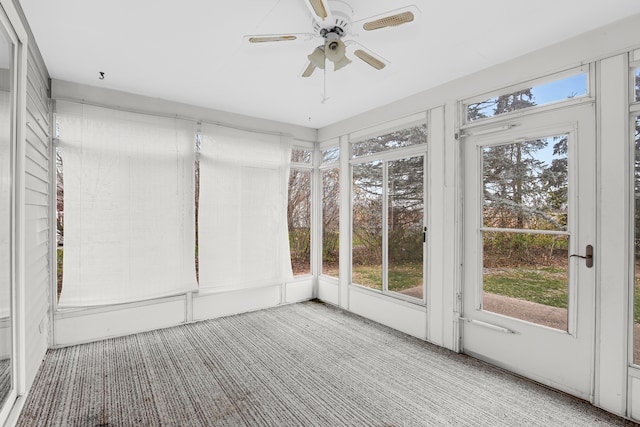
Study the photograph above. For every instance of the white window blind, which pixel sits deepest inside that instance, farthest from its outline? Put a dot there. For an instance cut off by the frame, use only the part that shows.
(242, 224)
(129, 205)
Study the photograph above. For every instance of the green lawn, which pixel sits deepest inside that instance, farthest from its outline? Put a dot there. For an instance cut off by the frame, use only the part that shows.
(546, 286)
(401, 277)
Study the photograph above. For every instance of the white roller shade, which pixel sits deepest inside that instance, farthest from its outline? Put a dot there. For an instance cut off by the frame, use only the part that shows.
(129, 205)
(242, 224)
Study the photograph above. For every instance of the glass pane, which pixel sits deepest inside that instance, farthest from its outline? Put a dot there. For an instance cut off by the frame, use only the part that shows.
(300, 155)
(525, 184)
(5, 215)
(332, 155)
(60, 217)
(330, 221)
(636, 298)
(525, 275)
(637, 85)
(557, 90)
(406, 218)
(367, 225)
(402, 138)
(299, 220)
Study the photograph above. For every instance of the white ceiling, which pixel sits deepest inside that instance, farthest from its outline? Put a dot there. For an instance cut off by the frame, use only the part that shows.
(193, 51)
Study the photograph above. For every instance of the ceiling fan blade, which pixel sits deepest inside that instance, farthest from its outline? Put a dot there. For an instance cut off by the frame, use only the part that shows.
(320, 10)
(393, 18)
(266, 39)
(309, 70)
(270, 38)
(366, 55)
(369, 59)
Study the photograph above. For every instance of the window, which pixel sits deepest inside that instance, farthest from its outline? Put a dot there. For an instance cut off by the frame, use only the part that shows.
(393, 140)
(636, 79)
(59, 217)
(367, 224)
(527, 97)
(299, 210)
(330, 173)
(388, 202)
(636, 241)
(301, 155)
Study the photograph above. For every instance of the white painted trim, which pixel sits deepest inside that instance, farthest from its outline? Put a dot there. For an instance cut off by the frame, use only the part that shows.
(329, 143)
(345, 222)
(398, 153)
(613, 319)
(395, 313)
(329, 291)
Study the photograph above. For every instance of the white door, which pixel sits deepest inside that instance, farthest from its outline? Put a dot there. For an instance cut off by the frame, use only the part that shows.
(529, 227)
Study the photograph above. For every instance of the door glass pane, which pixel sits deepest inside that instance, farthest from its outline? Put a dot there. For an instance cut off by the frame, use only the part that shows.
(525, 188)
(330, 221)
(525, 276)
(299, 220)
(5, 215)
(367, 225)
(405, 225)
(525, 185)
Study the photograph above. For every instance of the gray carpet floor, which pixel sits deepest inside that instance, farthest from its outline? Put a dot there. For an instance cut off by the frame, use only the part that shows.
(305, 364)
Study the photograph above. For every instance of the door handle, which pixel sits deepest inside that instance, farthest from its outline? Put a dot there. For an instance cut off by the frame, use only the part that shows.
(588, 256)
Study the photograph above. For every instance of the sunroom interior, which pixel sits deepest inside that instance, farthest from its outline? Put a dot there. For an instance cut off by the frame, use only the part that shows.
(464, 174)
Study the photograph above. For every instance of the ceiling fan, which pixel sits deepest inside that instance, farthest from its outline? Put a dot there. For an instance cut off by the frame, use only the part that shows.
(332, 23)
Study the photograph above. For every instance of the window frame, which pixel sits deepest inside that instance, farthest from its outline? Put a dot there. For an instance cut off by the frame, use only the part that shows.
(634, 112)
(311, 168)
(322, 167)
(528, 84)
(385, 157)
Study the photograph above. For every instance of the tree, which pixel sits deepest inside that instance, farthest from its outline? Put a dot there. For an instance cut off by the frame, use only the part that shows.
(299, 214)
(405, 187)
(59, 198)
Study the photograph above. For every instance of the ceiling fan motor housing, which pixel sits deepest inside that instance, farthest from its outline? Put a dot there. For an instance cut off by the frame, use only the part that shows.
(341, 22)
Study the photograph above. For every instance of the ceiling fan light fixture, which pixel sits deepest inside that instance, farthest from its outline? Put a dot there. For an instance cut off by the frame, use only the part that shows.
(341, 63)
(316, 58)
